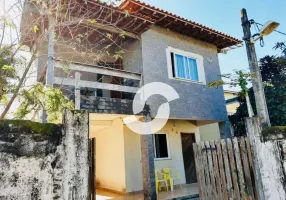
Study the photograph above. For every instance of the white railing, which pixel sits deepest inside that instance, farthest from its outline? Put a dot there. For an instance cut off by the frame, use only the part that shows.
(78, 83)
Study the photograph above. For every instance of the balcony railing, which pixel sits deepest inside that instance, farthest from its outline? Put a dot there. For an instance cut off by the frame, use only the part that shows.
(80, 76)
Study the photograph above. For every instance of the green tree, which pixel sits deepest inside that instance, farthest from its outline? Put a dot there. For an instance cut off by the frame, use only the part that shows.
(272, 71)
(39, 97)
(7, 70)
(68, 27)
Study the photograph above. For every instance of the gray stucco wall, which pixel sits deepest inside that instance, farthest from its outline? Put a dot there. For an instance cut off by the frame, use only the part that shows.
(197, 101)
(132, 59)
(44, 161)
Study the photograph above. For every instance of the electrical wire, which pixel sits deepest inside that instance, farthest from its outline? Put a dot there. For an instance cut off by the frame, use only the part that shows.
(274, 30)
(261, 42)
(257, 30)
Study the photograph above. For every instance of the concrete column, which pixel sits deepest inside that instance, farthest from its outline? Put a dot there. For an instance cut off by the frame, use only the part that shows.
(51, 53)
(50, 63)
(148, 171)
(253, 131)
(267, 163)
(224, 129)
(77, 91)
(75, 170)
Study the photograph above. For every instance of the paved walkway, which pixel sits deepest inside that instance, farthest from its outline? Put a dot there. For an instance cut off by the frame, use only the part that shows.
(188, 192)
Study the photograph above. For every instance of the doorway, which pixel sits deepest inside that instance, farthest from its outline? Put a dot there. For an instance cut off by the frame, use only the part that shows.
(188, 139)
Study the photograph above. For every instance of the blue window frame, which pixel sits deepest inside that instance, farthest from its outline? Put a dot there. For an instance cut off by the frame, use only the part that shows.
(184, 67)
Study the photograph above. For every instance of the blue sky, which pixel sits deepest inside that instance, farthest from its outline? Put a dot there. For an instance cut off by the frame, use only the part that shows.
(224, 16)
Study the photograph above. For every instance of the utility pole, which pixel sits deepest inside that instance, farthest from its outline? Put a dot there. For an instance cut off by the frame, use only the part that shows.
(257, 84)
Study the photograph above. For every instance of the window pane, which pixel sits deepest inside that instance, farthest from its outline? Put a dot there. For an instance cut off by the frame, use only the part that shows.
(186, 68)
(180, 66)
(193, 69)
(161, 146)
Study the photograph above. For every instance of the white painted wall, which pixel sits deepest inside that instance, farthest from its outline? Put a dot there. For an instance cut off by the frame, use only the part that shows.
(110, 161)
(118, 153)
(176, 162)
(133, 152)
(209, 132)
(133, 162)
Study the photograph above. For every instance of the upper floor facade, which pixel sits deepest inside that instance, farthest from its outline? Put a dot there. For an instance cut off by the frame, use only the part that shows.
(156, 47)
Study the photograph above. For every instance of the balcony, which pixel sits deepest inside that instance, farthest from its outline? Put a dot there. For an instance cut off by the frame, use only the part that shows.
(97, 88)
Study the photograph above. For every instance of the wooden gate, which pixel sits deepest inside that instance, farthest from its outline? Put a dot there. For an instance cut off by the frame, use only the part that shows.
(225, 169)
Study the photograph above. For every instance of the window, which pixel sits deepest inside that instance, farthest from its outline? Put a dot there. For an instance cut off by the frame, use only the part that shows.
(161, 146)
(185, 65)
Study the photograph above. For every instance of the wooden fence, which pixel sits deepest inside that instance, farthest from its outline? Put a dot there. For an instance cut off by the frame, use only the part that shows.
(225, 169)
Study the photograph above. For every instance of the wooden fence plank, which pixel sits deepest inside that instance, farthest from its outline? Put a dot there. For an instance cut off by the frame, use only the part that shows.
(249, 188)
(202, 170)
(200, 175)
(212, 175)
(227, 169)
(224, 169)
(233, 168)
(207, 172)
(251, 165)
(221, 167)
(239, 167)
(216, 171)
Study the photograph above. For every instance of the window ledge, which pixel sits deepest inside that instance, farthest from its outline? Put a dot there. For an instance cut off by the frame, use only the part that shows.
(159, 159)
(189, 81)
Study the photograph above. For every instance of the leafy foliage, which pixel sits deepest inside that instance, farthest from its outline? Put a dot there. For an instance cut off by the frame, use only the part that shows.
(273, 71)
(281, 46)
(75, 32)
(40, 97)
(270, 67)
(239, 78)
(273, 75)
(7, 69)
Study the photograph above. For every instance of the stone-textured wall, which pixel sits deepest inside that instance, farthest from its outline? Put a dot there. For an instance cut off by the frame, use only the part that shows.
(110, 105)
(268, 160)
(44, 161)
(197, 101)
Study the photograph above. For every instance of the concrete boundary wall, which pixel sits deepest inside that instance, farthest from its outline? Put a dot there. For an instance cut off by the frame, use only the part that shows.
(44, 161)
(268, 160)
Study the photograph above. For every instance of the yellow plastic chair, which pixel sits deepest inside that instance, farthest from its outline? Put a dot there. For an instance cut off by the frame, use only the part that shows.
(159, 181)
(168, 176)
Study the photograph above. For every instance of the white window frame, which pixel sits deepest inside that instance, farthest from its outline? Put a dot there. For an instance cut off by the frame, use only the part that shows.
(168, 147)
(199, 59)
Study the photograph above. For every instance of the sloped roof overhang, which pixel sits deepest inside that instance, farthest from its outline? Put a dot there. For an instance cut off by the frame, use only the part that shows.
(184, 26)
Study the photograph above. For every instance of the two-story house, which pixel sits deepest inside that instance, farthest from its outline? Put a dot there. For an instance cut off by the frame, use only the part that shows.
(158, 47)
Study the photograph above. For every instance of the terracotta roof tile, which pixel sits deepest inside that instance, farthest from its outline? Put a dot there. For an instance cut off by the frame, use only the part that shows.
(137, 7)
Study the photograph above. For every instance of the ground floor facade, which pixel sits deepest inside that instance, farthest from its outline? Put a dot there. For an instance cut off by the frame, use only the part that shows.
(118, 151)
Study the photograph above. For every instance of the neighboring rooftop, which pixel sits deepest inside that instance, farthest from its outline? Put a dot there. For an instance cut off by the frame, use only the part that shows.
(230, 91)
(176, 23)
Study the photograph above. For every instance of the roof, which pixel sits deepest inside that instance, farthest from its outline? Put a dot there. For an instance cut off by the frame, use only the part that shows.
(229, 91)
(111, 19)
(139, 18)
(109, 15)
(176, 23)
